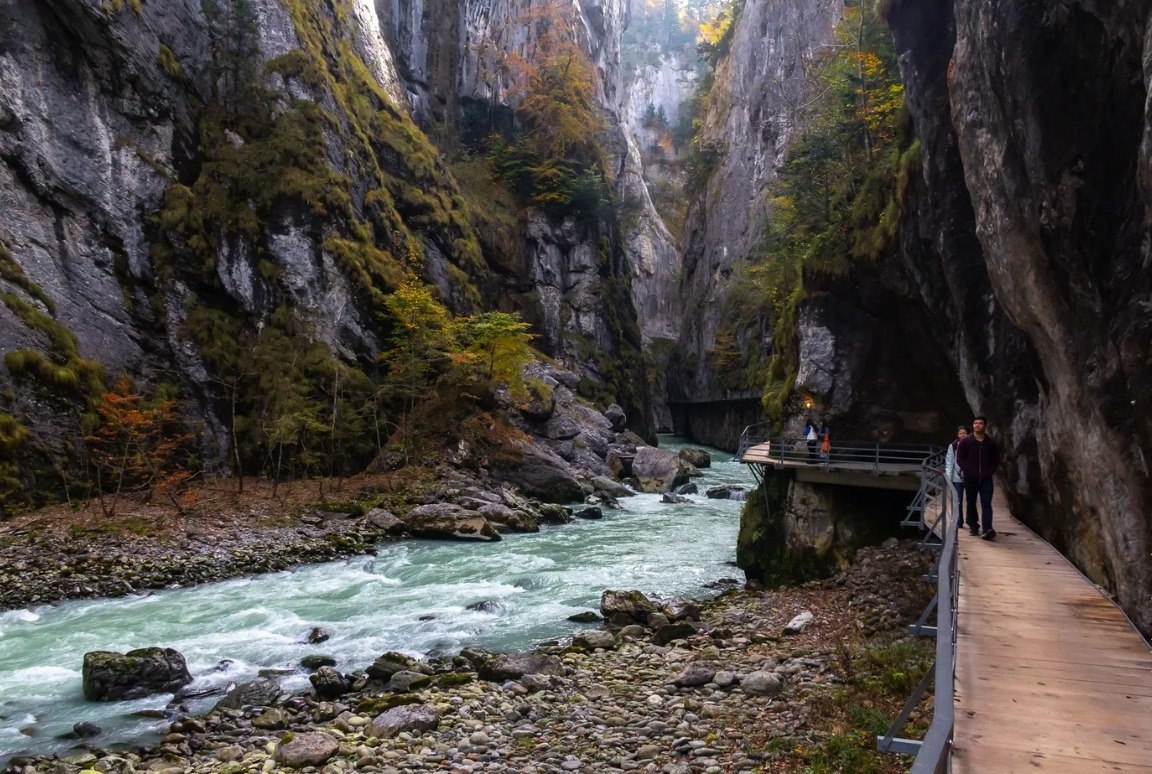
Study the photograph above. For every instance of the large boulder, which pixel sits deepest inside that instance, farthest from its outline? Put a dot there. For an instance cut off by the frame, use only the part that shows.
(390, 663)
(659, 470)
(385, 521)
(257, 693)
(302, 750)
(727, 492)
(445, 521)
(408, 717)
(513, 666)
(510, 519)
(625, 607)
(617, 417)
(610, 487)
(542, 474)
(329, 683)
(109, 676)
(697, 457)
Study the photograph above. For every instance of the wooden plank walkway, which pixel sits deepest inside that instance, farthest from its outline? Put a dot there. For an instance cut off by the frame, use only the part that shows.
(1050, 675)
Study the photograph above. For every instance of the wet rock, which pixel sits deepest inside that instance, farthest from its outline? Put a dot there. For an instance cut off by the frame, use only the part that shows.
(659, 470)
(487, 606)
(257, 693)
(696, 457)
(317, 661)
(686, 489)
(412, 717)
(589, 513)
(445, 521)
(586, 617)
(390, 663)
(318, 634)
(594, 639)
(329, 683)
(513, 519)
(109, 676)
(625, 607)
(550, 513)
(513, 666)
(608, 486)
(727, 492)
(674, 499)
(85, 729)
(305, 749)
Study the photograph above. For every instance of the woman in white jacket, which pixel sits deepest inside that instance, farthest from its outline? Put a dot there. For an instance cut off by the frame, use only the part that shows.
(951, 470)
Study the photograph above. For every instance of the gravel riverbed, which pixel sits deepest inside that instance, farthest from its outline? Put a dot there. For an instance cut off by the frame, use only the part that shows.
(710, 701)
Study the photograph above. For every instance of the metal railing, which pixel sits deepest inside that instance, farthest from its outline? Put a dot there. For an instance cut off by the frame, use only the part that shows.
(865, 456)
(933, 753)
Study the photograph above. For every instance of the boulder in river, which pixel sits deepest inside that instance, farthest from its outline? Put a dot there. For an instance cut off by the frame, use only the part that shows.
(543, 474)
(109, 676)
(686, 489)
(625, 607)
(674, 499)
(85, 730)
(659, 470)
(696, 457)
(318, 634)
(329, 683)
(590, 513)
(317, 661)
(257, 693)
(445, 521)
(727, 492)
(586, 617)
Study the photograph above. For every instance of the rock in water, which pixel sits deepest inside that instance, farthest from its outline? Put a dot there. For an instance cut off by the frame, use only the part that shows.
(542, 474)
(586, 617)
(318, 634)
(799, 623)
(697, 457)
(674, 499)
(306, 749)
(112, 676)
(727, 492)
(590, 513)
(625, 607)
(410, 717)
(444, 521)
(658, 470)
(258, 693)
(686, 489)
(84, 729)
(317, 661)
(329, 683)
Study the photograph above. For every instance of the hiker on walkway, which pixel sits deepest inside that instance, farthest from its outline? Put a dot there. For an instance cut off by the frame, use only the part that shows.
(825, 439)
(978, 456)
(812, 439)
(953, 473)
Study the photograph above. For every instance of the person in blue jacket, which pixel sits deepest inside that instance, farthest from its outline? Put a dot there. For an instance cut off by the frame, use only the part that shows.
(978, 456)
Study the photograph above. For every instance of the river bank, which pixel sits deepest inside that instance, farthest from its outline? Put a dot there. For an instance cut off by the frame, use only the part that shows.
(815, 699)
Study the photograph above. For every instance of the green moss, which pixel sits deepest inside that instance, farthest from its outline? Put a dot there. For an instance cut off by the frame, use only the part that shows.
(762, 548)
(455, 679)
(385, 702)
(170, 62)
(13, 435)
(65, 371)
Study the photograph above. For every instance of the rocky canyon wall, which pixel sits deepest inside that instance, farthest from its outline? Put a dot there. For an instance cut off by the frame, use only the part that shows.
(102, 109)
(753, 114)
(1031, 244)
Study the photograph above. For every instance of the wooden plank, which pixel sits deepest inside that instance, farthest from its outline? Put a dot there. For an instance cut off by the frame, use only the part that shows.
(1050, 675)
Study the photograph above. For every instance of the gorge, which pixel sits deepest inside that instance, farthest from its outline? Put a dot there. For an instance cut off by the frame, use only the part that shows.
(294, 241)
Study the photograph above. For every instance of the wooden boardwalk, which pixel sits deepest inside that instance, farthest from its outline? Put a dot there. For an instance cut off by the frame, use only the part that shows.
(1050, 675)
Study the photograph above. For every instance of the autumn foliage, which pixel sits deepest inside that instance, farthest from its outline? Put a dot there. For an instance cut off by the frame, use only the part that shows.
(138, 446)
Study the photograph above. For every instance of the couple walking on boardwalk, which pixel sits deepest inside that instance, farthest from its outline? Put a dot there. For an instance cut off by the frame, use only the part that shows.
(972, 461)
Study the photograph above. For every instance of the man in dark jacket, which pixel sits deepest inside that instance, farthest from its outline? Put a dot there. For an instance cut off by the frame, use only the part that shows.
(978, 457)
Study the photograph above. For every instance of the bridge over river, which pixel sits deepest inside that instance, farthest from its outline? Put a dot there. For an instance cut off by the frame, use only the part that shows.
(1036, 668)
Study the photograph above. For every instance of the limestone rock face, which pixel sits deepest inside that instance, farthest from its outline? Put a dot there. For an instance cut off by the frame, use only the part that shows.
(748, 126)
(109, 676)
(1029, 241)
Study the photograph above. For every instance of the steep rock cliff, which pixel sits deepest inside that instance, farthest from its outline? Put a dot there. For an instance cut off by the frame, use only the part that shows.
(753, 113)
(102, 117)
(1030, 238)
